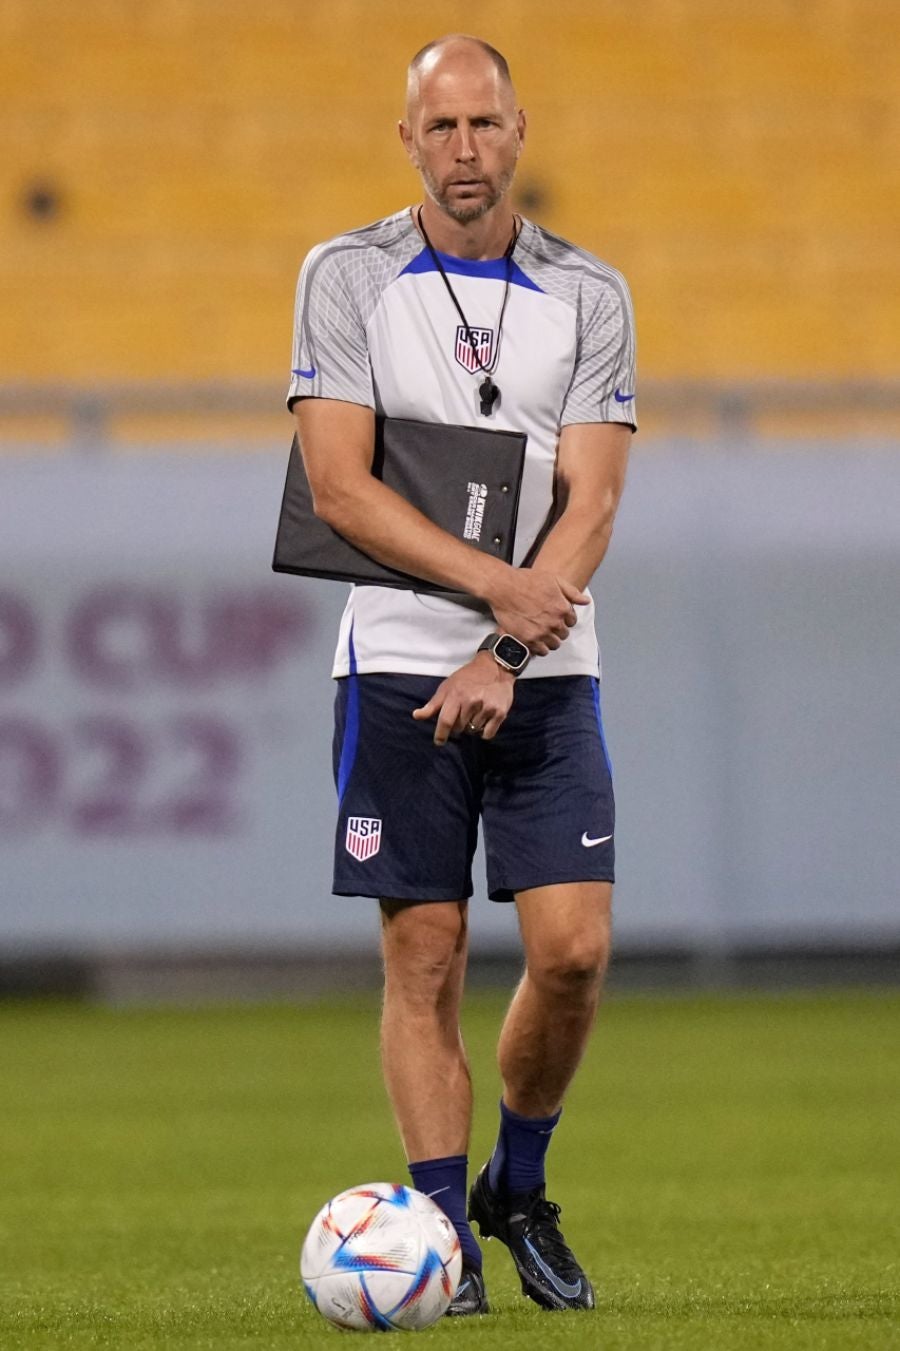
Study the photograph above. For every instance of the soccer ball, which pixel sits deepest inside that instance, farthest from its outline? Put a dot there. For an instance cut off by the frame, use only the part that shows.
(381, 1257)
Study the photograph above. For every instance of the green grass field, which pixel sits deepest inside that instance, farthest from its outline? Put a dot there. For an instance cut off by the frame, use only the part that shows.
(729, 1170)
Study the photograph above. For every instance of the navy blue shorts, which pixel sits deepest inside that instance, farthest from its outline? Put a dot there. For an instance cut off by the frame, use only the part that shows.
(409, 810)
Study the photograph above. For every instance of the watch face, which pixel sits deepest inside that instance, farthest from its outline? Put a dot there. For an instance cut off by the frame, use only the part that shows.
(511, 652)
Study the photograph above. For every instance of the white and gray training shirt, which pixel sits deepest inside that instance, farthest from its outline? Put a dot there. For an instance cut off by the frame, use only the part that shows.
(374, 325)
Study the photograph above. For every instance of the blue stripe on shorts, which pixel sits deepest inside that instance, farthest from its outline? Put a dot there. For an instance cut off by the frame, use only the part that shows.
(351, 727)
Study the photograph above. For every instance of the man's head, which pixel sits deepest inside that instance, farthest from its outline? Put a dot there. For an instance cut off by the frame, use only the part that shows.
(462, 130)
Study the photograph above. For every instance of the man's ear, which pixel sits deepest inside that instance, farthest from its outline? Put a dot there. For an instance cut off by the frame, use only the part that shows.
(521, 124)
(406, 137)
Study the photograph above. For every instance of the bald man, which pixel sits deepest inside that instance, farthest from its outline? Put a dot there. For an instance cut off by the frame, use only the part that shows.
(480, 702)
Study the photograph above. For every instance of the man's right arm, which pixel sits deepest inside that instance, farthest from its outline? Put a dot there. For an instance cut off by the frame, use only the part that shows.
(337, 441)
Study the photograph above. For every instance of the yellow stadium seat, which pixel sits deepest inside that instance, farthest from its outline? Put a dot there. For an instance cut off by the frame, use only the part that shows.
(166, 167)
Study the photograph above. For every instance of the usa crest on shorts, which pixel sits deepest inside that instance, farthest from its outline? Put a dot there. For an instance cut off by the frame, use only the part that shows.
(474, 359)
(363, 839)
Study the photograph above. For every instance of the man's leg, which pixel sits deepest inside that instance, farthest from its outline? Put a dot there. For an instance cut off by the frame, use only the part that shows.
(425, 1067)
(426, 1071)
(566, 934)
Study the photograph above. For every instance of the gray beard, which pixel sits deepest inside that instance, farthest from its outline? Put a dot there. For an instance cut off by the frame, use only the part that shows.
(464, 215)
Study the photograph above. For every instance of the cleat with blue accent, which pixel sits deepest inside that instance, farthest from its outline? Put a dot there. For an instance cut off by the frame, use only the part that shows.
(470, 1296)
(529, 1226)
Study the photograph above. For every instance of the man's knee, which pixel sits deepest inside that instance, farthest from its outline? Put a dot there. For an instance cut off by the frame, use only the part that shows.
(574, 966)
(422, 946)
(570, 960)
(566, 930)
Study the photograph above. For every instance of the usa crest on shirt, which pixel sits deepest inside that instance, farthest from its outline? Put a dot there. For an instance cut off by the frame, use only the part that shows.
(363, 838)
(479, 356)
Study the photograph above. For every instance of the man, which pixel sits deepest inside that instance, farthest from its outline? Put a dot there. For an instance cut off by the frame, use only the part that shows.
(460, 312)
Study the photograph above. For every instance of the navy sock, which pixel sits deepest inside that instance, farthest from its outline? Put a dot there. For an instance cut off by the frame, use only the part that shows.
(444, 1180)
(517, 1163)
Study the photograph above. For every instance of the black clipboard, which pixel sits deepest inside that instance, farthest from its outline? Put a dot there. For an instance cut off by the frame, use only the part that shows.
(465, 479)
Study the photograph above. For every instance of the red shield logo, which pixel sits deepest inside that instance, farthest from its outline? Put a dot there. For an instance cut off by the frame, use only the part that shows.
(478, 356)
(363, 839)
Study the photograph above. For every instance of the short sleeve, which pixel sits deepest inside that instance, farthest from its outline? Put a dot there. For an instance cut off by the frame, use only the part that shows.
(603, 381)
(330, 353)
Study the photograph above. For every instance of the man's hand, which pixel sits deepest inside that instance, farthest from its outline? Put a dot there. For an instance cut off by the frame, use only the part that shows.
(475, 699)
(535, 606)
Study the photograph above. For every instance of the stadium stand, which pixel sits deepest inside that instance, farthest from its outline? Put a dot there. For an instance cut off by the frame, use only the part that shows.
(165, 167)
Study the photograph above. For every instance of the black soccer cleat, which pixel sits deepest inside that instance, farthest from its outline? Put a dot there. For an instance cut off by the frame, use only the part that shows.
(529, 1226)
(470, 1296)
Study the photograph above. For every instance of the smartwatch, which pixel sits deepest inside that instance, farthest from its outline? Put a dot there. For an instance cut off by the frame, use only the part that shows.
(507, 651)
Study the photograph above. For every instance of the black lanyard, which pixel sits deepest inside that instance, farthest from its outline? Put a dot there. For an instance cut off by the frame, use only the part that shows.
(488, 391)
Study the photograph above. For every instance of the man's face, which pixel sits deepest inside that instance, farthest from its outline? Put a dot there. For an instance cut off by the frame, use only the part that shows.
(463, 134)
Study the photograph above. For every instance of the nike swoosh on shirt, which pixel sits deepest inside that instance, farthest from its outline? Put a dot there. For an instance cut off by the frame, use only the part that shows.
(623, 398)
(589, 843)
(307, 375)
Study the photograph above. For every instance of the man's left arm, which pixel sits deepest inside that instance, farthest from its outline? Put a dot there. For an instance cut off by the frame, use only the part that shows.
(590, 475)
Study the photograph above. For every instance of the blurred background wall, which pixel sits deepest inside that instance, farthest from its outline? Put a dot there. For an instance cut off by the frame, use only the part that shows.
(165, 799)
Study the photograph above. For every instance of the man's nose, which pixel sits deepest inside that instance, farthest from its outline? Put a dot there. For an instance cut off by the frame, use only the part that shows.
(465, 143)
